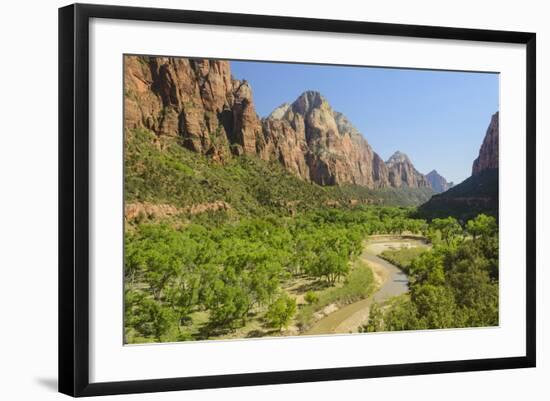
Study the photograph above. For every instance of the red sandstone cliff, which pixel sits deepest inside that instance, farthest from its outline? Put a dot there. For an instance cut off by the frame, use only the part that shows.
(200, 102)
(488, 153)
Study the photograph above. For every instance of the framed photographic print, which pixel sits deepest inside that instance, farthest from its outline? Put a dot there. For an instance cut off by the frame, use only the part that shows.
(249, 199)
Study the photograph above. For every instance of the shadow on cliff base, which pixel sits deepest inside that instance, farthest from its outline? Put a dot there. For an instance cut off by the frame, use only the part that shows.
(477, 194)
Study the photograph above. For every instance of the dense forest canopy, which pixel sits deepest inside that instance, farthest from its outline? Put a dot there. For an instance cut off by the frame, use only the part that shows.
(455, 284)
(279, 250)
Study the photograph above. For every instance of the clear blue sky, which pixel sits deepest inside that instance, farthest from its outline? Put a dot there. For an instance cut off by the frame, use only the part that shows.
(438, 118)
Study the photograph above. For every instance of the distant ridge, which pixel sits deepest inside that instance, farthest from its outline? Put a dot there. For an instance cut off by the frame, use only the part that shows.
(438, 182)
(402, 173)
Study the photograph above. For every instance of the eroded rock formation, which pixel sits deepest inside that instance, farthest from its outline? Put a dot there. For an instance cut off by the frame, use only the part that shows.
(321, 145)
(401, 172)
(438, 182)
(194, 99)
(488, 153)
(199, 101)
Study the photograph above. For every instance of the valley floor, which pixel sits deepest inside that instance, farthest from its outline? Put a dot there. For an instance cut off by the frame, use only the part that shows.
(339, 317)
(390, 280)
(322, 272)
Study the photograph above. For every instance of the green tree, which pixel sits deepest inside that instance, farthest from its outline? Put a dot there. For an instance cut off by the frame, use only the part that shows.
(482, 226)
(230, 301)
(182, 294)
(376, 322)
(332, 266)
(281, 311)
(447, 230)
(311, 297)
(147, 317)
(159, 253)
(427, 268)
(402, 315)
(435, 305)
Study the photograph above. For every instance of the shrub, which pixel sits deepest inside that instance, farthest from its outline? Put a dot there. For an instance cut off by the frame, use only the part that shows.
(311, 297)
(281, 311)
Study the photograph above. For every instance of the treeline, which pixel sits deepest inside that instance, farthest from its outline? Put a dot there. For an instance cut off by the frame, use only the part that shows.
(455, 284)
(223, 274)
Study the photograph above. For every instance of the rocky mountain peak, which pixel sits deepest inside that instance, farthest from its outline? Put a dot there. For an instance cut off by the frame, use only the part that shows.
(242, 89)
(345, 126)
(488, 153)
(212, 113)
(321, 145)
(438, 182)
(308, 101)
(401, 172)
(280, 111)
(398, 157)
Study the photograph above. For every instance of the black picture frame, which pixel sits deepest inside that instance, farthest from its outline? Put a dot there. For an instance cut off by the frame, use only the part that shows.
(74, 198)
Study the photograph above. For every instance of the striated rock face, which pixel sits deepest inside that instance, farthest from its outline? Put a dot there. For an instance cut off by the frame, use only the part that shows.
(488, 153)
(198, 101)
(437, 182)
(194, 99)
(319, 144)
(401, 172)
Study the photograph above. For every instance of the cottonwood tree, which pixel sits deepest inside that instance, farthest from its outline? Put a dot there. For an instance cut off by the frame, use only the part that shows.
(281, 311)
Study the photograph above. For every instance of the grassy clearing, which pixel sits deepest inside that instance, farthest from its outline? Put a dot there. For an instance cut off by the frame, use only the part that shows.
(358, 285)
(402, 257)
